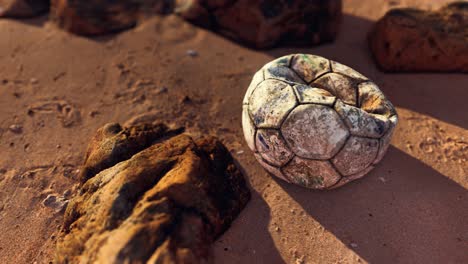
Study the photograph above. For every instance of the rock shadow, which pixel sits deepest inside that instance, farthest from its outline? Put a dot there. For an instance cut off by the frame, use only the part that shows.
(248, 240)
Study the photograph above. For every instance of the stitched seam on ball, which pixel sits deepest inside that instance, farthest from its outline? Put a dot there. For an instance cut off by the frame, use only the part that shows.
(250, 96)
(336, 169)
(286, 164)
(329, 70)
(279, 168)
(342, 147)
(281, 135)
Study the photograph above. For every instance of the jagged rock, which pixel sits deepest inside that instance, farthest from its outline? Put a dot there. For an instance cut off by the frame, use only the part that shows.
(104, 16)
(112, 143)
(165, 204)
(265, 23)
(415, 40)
(22, 8)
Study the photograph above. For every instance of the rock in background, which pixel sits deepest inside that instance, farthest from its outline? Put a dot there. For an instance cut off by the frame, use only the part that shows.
(265, 23)
(165, 204)
(23, 8)
(415, 40)
(104, 16)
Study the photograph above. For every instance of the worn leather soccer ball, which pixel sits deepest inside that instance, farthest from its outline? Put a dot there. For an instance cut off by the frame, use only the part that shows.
(315, 122)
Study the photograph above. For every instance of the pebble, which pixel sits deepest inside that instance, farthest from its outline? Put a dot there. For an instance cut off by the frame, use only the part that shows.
(240, 152)
(33, 81)
(17, 129)
(353, 245)
(49, 200)
(162, 90)
(192, 53)
(66, 193)
(54, 202)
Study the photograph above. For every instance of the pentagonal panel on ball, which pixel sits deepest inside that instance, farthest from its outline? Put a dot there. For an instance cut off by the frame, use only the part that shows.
(248, 128)
(309, 67)
(315, 174)
(272, 147)
(271, 101)
(357, 154)
(314, 131)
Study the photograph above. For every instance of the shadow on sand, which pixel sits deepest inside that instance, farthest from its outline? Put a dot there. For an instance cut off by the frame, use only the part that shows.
(259, 237)
(405, 214)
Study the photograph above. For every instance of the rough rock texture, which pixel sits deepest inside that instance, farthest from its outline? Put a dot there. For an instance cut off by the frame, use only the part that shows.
(22, 8)
(165, 204)
(265, 23)
(113, 143)
(316, 122)
(104, 16)
(415, 40)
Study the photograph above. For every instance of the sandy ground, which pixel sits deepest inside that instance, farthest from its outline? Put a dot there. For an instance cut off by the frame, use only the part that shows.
(59, 88)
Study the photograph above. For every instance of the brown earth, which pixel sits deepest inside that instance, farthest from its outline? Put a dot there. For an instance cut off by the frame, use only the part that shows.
(56, 89)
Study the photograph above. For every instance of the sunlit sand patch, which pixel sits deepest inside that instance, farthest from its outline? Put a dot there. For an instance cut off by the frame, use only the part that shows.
(305, 240)
(440, 145)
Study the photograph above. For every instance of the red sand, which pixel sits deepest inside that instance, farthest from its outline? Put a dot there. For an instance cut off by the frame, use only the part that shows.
(60, 88)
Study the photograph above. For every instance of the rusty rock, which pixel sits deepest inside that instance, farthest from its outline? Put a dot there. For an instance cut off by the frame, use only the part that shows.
(412, 40)
(104, 16)
(265, 23)
(23, 8)
(165, 204)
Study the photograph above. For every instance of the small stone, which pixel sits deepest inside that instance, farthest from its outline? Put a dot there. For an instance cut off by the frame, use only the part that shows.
(192, 53)
(34, 81)
(240, 152)
(94, 113)
(186, 100)
(55, 202)
(16, 128)
(49, 200)
(353, 245)
(162, 90)
(67, 193)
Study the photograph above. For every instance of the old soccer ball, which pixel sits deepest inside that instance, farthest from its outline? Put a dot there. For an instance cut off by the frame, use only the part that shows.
(315, 122)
